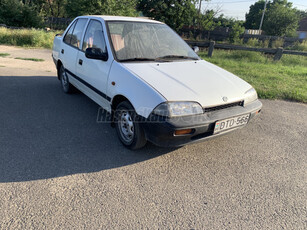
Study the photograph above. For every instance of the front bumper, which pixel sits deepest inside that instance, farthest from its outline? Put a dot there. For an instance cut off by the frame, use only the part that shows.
(160, 131)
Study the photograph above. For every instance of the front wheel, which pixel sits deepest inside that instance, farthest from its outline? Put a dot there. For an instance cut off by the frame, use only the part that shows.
(128, 128)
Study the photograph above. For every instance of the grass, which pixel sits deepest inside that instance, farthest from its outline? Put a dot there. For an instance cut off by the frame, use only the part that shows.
(27, 37)
(285, 79)
(300, 46)
(4, 54)
(30, 59)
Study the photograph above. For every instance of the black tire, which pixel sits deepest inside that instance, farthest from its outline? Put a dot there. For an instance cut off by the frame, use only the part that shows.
(66, 86)
(129, 131)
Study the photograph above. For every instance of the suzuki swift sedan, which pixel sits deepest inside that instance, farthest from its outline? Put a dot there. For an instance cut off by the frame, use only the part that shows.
(155, 86)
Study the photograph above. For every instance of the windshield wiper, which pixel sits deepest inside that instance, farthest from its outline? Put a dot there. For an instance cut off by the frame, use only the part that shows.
(137, 59)
(176, 57)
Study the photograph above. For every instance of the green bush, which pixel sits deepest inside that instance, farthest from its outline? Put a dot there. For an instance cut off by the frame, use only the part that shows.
(300, 46)
(265, 43)
(253, 42)
(27, 37)
(236, 31)
(15, 13)
(278, 43)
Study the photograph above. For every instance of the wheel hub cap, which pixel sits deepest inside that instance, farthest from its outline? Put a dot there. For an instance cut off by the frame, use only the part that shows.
(126, 126)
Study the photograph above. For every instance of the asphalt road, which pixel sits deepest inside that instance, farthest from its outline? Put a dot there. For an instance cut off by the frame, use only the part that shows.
(60, 169)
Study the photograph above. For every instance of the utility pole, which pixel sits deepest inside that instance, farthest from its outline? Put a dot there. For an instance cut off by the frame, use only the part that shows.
(199, 9)
(261, 22)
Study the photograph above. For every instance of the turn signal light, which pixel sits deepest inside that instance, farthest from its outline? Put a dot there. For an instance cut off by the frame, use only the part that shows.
(183, 132)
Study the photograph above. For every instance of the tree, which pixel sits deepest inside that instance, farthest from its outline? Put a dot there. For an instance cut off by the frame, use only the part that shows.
(253, 17)
(280, 18)
(174, 13)
(76, 8)
(302, 14)
(236, 30)
(207, 20)
(17, 13)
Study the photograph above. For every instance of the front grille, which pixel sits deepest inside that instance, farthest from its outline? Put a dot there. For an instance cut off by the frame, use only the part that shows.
(225, 106)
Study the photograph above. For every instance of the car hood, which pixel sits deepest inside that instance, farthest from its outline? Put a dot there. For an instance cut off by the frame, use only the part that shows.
(198, 81)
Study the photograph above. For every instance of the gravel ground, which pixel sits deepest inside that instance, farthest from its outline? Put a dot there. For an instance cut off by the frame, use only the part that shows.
(60, 169)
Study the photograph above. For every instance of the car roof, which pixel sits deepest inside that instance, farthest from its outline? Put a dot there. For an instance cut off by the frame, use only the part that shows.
(121, 18)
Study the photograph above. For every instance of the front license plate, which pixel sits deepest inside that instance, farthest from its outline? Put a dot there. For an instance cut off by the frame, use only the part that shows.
(230, 123)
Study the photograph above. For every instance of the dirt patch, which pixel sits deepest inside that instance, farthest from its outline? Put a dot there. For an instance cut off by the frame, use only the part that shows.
(17, 67)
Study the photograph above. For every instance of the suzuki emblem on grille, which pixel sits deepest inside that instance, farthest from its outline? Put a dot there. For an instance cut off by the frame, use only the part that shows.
(225, 99)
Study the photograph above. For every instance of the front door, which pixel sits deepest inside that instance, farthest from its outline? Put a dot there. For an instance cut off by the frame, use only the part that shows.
(94, 73)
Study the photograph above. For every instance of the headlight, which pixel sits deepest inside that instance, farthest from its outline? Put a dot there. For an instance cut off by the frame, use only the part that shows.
(250, 96)
(175, 109)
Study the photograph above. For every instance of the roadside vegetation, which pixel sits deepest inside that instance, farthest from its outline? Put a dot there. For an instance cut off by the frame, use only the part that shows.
(285, 79)
(30, 59)
(4, 54)
(300, 46)
(27, 37)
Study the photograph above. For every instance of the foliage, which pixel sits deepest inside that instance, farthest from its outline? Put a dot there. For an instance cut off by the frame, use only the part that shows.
(236, 30)
(253, 42)
(27, 37)
(278, 43)
(16, 13)
(300, 46)
(226, 21)
(30, 59)
(265, 43)
(285, 79)
(253, 17)
(280, 17)
(50, 8)
(4, 54)
(281, 20)
(301, 13)
(207, 22)
(173, 12)
(76, 8)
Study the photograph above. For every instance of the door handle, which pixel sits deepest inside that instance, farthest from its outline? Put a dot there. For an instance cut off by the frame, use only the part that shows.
(62, 51)
(80, 61)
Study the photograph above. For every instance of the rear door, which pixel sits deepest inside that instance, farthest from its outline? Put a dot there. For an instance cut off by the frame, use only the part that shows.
(94, 73)
(71, 45)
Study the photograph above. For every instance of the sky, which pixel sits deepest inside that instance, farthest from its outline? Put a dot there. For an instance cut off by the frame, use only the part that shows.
(238, 8)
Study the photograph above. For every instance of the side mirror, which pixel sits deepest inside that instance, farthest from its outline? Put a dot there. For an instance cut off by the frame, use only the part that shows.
(196, 49)
(96, 53)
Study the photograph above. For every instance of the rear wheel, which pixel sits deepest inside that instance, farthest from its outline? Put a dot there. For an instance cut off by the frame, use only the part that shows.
(129, 131)
(66, 86)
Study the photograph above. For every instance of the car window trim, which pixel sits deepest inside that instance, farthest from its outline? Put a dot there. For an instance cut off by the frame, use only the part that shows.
(88, 24)
(75, 23)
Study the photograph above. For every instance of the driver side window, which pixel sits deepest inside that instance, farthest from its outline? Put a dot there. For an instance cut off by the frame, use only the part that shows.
(94, 37)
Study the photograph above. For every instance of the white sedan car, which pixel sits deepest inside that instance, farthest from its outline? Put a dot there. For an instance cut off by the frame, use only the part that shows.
(155, 87)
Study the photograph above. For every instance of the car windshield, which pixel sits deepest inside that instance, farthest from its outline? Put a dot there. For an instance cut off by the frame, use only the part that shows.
(141, 41)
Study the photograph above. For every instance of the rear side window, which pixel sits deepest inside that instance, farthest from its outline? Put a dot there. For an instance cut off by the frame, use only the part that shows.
(77, 34)
(68, 35)
(74, 34)
(94, 37)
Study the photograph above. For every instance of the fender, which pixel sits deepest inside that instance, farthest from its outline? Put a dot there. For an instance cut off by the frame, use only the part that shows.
(141, 95)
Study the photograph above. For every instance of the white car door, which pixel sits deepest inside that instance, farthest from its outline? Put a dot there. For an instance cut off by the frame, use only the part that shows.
(71, 44)
(93, 74)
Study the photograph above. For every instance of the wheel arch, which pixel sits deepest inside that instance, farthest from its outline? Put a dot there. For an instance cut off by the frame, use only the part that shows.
(58, 66)
(117, 100)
